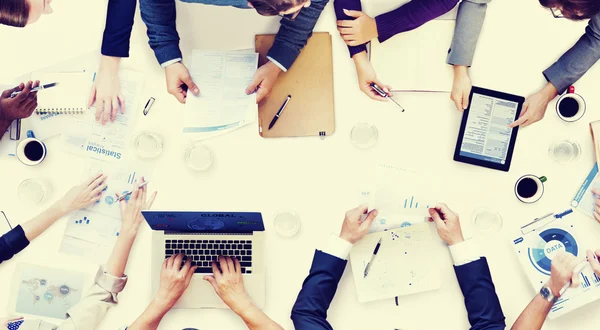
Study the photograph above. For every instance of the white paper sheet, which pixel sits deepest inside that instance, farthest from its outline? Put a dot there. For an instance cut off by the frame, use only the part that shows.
(110, 142)
(222, 104)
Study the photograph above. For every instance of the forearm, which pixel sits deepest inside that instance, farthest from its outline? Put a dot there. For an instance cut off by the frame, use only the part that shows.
(34, 227)
(150, 318)
(469, 22)
(117, 32)
(339, 6)
(160, 16)
(256, 319)
(533, 316)
(118, 259)
(410, 16)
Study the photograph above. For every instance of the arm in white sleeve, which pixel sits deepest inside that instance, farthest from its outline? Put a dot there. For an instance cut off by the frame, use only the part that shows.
(337, 247)
(464, 252)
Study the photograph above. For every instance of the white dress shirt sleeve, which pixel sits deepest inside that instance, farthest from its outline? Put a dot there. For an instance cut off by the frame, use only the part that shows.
(277, 63)
(337, 247)
(464, 252)
(167, 63)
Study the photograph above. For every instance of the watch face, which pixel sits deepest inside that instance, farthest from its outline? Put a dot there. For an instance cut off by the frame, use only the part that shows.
(545, 292)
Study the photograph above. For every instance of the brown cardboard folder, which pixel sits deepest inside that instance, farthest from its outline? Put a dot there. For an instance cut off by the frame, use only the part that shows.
(309, 81)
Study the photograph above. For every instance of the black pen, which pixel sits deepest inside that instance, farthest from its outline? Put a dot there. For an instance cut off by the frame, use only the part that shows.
(36, 89)
(382, 93)
(372, 258)
(289, 97)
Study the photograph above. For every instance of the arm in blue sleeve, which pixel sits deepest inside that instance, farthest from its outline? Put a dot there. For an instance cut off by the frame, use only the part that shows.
(339, 6)
(577, 60)
(117, 32)
(310, 310)
(293, 35)
(481, 301)
(160, 16)
(12, 243)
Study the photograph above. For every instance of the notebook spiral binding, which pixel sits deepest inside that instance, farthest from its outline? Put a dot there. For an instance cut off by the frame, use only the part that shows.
(43, 111)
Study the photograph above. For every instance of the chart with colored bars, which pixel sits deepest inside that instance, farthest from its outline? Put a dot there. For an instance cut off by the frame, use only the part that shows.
(536, 249)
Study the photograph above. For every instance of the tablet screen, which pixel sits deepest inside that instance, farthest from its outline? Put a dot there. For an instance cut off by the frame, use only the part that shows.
(486, 135)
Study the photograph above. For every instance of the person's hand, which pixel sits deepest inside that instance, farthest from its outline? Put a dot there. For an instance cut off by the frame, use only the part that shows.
(21, 106)
(353, 229)
(461, 88)
(263, 81)
(366, 75)
(229, 284)
(535, 106)
(179, 81)
(592, 259)
(562, 272)
(596, 192)
(82, 195)
(106, 90)
(174, 280)
(358, 31)
(131, 210)
(447, 224)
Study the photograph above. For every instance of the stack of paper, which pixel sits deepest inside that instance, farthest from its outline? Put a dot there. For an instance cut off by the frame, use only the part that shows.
(222, 104)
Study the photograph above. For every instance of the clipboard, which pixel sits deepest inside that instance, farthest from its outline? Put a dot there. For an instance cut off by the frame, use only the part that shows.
(309, 81)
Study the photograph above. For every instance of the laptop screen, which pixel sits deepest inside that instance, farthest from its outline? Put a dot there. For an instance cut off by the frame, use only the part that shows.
(199, 221)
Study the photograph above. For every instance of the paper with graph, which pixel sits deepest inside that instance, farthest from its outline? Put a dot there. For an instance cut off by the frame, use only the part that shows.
(92, 232)
(400, 196)
(402, 265)
(584, 200)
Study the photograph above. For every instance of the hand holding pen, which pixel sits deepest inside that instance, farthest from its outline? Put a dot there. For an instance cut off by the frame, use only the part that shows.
(386, 95)
(20, 106)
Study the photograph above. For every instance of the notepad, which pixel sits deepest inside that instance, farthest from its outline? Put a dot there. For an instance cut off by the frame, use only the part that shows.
(69, 96)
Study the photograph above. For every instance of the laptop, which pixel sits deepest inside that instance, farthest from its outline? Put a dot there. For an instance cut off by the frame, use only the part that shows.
(203, 236)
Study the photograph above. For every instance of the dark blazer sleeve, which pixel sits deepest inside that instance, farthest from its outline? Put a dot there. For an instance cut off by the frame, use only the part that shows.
(310, 309)
(12, 243)
(481, 300)
(117, 32)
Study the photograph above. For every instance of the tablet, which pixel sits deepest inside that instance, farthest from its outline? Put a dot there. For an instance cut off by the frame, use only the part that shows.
(484, 138)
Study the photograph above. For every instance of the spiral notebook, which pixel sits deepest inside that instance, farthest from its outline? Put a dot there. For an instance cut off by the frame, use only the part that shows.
(69, 96)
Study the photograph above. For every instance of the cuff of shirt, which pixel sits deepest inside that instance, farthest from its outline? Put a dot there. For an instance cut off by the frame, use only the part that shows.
(455, 58)
(167, 63)
(110, 283)
(556, 76)
(16, 239)
(464, 252)
(337, 247)
(277, 63)
(284, 55)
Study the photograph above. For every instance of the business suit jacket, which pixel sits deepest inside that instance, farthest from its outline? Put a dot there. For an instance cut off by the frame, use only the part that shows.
(310, 310)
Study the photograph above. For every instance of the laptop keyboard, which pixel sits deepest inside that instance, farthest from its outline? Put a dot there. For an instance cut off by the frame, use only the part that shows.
(203, 252)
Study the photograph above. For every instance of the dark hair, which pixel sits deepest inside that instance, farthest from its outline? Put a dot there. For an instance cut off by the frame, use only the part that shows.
(273, 7)
(574, 9)
(14, 12)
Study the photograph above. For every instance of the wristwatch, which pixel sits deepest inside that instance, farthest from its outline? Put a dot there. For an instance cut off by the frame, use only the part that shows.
(546, 293)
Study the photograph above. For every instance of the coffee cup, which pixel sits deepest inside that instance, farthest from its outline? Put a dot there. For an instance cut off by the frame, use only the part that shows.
(571, 106)
(31, 151)
(530, 188)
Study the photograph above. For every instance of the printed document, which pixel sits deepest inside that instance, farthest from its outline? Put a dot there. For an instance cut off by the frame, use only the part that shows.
(222, 78)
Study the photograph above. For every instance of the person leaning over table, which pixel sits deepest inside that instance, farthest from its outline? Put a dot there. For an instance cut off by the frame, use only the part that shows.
(298, 20)
(110, 279)
(106, 90)
(227, 281)
(18, 107)
(357, 29)
(78, 197)
(572, 65)
(474, 278)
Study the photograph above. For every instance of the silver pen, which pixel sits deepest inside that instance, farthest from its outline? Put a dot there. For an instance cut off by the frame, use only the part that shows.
(372, 258)
(129, 193)
(36, 89)
(382, 93)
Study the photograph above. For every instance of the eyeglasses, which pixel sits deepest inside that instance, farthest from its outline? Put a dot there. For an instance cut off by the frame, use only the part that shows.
(292, 16)
(557, 13)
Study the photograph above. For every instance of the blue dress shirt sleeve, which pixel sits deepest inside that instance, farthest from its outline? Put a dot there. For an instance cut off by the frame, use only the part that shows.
(12, 243)
(117, 32)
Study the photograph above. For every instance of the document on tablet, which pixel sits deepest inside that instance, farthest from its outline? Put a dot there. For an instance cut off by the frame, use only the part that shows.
(222, 78)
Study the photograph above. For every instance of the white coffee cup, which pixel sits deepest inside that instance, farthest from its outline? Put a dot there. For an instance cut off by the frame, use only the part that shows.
(581, 107)
(31, 151)
(537, 188)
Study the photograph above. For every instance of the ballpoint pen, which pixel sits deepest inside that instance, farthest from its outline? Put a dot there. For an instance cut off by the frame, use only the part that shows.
(372, 258)
(289, 97)
(382, 93)
(129, 193)
(39, 88)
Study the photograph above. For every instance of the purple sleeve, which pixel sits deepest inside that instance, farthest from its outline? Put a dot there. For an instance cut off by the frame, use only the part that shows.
(411, 16)
(339, 6)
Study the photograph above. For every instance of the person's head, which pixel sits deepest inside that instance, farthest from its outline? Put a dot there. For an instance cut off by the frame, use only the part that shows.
(574, 9)
(19, 13)
(287, 8)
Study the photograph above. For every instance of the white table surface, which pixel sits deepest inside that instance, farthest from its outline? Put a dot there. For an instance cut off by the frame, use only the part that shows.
(319, 179)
